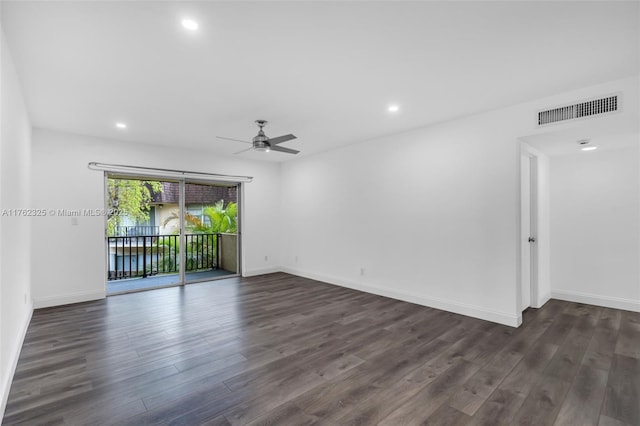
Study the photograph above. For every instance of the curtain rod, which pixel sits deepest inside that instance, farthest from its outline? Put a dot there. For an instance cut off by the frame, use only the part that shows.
(157, 172)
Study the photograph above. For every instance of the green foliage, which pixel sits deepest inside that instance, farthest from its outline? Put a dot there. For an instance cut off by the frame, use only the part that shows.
(169, 246)
(221, 219)
(130, 197)
(200, 253)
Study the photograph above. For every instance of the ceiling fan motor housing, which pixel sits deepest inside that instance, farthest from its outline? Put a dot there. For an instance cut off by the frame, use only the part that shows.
(261, 141)
(261, 145)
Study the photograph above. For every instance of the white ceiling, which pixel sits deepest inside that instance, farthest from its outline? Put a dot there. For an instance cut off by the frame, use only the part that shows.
(325, 71)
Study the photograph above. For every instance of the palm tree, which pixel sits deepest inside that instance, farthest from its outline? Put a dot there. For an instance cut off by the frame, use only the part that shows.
(221, 219)
(201, 237)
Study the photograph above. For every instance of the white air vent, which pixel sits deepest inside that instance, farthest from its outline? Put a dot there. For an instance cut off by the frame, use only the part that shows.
(581, 110)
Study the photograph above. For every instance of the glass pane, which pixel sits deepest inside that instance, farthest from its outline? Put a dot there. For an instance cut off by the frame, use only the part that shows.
(211, 231)
(142, 234)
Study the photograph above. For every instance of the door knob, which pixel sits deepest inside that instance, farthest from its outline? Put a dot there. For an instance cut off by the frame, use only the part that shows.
(532, 240)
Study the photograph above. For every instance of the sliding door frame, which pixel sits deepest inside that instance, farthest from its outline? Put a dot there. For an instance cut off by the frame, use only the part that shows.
(183, 240)
(182, 208)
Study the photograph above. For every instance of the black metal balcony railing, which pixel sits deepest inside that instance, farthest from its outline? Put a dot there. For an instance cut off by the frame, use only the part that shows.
(145, 255)
(137, 230)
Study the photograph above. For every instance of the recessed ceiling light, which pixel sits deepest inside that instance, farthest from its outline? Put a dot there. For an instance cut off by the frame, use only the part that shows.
(589, 148)
(190, 24)
(121, 125)
(393, 108)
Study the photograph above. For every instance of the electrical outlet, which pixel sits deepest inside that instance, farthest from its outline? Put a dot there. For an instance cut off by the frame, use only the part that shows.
(296, 259)
(361, 271)
(266, 258)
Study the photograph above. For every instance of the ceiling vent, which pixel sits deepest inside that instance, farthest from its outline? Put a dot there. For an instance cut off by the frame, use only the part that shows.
(581, 110)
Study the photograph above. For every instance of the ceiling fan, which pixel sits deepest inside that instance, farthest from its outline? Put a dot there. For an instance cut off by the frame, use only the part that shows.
(262, 142)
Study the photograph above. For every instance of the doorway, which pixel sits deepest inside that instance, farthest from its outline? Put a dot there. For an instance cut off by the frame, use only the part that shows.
(528, 228)
(533, 288)
(162, 233)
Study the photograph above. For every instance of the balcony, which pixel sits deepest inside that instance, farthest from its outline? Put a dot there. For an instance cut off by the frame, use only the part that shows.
(137, 261)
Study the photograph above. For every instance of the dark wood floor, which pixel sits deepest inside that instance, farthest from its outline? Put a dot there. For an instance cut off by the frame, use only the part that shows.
(283, 350)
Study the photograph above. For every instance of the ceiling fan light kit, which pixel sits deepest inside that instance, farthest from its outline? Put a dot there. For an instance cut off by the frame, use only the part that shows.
(263, 143)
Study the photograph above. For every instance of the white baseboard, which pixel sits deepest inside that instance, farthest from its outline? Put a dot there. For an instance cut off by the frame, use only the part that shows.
(542, 301)
(8, 379)
(432, 302)
(85, 296)
(254, 272)
(598, 300)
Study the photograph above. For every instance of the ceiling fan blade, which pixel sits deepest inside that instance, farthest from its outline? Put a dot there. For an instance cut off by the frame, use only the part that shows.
(236, 140)
(244, 150)
(280, 139)
(281, 149)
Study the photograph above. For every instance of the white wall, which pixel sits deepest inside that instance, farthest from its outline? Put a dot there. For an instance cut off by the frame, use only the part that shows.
(68, 260)
(595, 224)
(15, 269)
(431, 215)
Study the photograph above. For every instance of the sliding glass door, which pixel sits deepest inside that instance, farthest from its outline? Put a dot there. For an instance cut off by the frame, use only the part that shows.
(163, 233)
(211, 231)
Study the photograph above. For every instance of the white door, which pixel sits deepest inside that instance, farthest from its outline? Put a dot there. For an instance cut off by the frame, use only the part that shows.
(528, 228)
